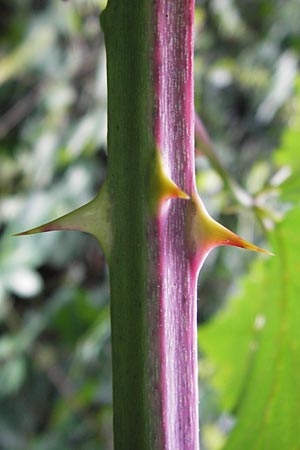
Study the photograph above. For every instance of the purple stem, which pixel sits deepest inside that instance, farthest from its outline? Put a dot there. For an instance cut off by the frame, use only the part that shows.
(173, 321)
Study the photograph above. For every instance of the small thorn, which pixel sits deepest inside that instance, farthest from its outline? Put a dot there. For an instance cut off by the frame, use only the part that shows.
(162, 187)
(169, 189)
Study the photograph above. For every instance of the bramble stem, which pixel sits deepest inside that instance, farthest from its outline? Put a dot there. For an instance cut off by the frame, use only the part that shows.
(153, 287)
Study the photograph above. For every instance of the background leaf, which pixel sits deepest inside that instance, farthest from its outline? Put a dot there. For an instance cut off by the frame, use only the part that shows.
(254, 347)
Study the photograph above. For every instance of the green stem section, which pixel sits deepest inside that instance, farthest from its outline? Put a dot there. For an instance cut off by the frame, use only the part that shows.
(130, 147)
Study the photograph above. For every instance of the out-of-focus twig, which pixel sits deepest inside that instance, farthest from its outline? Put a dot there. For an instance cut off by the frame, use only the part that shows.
(265, 217)
(18, 111)
(206, 146)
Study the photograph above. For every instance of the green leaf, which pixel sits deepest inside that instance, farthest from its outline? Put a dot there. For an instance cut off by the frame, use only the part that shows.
(288, 154)
(254, 347)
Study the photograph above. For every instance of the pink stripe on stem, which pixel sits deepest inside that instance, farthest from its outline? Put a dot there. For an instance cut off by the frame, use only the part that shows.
(173, 322)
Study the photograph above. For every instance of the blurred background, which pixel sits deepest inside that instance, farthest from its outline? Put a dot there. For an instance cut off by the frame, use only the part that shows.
(55, 362)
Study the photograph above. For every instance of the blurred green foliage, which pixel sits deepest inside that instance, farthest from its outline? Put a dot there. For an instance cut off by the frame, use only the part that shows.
(248, 94)
(254, 348)
(55, 368)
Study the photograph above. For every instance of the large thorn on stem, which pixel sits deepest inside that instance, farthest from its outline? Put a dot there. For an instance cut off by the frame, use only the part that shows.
(92, 218)
(205, 233)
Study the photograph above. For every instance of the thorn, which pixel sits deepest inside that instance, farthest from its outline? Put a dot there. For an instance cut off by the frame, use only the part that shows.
(169, 189)
(205, 233)
(227, 237)
(54, 225)
(92, 218)
(162, 187)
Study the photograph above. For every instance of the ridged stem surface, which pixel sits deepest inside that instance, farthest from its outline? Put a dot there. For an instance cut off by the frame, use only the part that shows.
(174, 133)
(153, 285)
